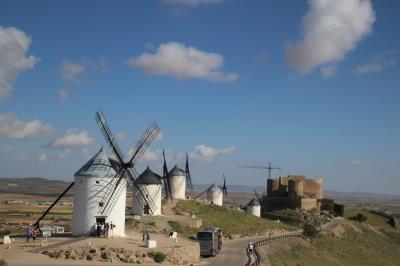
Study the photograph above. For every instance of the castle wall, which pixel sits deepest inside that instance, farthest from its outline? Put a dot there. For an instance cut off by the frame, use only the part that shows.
(291, 192)
(313, 188)
(307, 204)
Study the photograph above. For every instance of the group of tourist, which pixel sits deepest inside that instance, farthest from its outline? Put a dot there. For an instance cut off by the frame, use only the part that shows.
(32, 233)
(104, 229)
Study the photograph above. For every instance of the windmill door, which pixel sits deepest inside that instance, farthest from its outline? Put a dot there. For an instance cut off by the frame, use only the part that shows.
(146, 209)
(100, 220)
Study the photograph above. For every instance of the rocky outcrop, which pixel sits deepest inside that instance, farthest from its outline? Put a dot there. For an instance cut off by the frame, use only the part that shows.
(175, 255)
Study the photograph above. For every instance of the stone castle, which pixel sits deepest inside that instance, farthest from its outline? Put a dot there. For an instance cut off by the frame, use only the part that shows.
(293, 192)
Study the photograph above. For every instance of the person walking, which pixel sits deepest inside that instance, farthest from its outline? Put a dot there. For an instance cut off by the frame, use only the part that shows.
(250, 247)
(144, 235)
(34, 233)
(28, 234)
(106, 229)
(102, 229)
(112, 228)
(98, 230)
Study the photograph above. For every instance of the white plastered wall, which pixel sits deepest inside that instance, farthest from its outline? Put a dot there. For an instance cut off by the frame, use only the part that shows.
(88, 192)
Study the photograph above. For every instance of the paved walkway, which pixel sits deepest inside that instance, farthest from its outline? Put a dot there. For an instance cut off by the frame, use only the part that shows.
(233, 252)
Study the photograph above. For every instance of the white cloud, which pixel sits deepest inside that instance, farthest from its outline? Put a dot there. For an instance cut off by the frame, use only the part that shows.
(13, 128)
(14, 45)
(121, 136)
(263, 57)
(75, 71)
(356, 163)
(7, 149)
(191, 3)
(73, 138)
(182, 62)
(204, 153)
(63, 94)
(379, 62)
(159, 137)
(328, 71)
(43, 158)
(12, 154)
(152, 155)
(71, 71)
(330, 29)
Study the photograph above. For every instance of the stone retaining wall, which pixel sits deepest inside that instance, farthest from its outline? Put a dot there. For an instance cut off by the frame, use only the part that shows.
(175, 255)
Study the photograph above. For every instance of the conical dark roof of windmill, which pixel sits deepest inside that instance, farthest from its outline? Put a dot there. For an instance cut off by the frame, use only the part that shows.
(148, 177)
(176, 171)
(99, 166)
(253, 202)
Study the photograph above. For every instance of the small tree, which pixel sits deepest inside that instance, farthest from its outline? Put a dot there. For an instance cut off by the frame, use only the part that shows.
(359, 217)
(310, 230)
(338, 209)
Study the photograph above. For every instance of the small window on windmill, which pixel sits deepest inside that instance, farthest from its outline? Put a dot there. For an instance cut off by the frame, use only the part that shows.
(97, 181)
(101, 204)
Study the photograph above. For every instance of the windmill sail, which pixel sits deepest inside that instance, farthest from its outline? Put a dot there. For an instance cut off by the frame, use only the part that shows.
(167, 185)
(126, 173)
(189, 183)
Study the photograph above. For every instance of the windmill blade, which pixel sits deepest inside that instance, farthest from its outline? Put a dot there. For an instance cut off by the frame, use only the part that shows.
(115, 188)
(143, 143)
(105, 130)
(189, 183)
(224, 190)
(52, 205)
(144, 195)
(203, 192)
(259, 198)
(167, 185)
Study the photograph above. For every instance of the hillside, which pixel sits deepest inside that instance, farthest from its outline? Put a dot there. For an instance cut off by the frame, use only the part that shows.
(33, 186)
(372, 242)
(232, 222)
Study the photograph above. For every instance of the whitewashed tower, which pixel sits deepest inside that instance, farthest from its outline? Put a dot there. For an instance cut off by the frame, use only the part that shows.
(215, 195)
(91, 182)
(177, 181)
(152, 182)
(253, 208)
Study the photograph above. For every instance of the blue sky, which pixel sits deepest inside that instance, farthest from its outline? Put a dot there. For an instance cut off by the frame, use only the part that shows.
(312, 88)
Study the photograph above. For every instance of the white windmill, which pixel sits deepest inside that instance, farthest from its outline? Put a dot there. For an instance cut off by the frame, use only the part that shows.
(92, 181)
(177, 180)
(253, 208)
(100, 185)
(215, 193)
(152, 182)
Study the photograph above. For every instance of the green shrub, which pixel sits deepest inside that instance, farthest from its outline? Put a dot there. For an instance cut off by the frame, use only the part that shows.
(359, 217)
(176, 226)
(310, 230)
(159, 257)
(4, 233)
(338, 209)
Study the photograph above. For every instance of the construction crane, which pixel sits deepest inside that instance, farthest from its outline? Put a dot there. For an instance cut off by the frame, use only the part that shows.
(268, 167)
